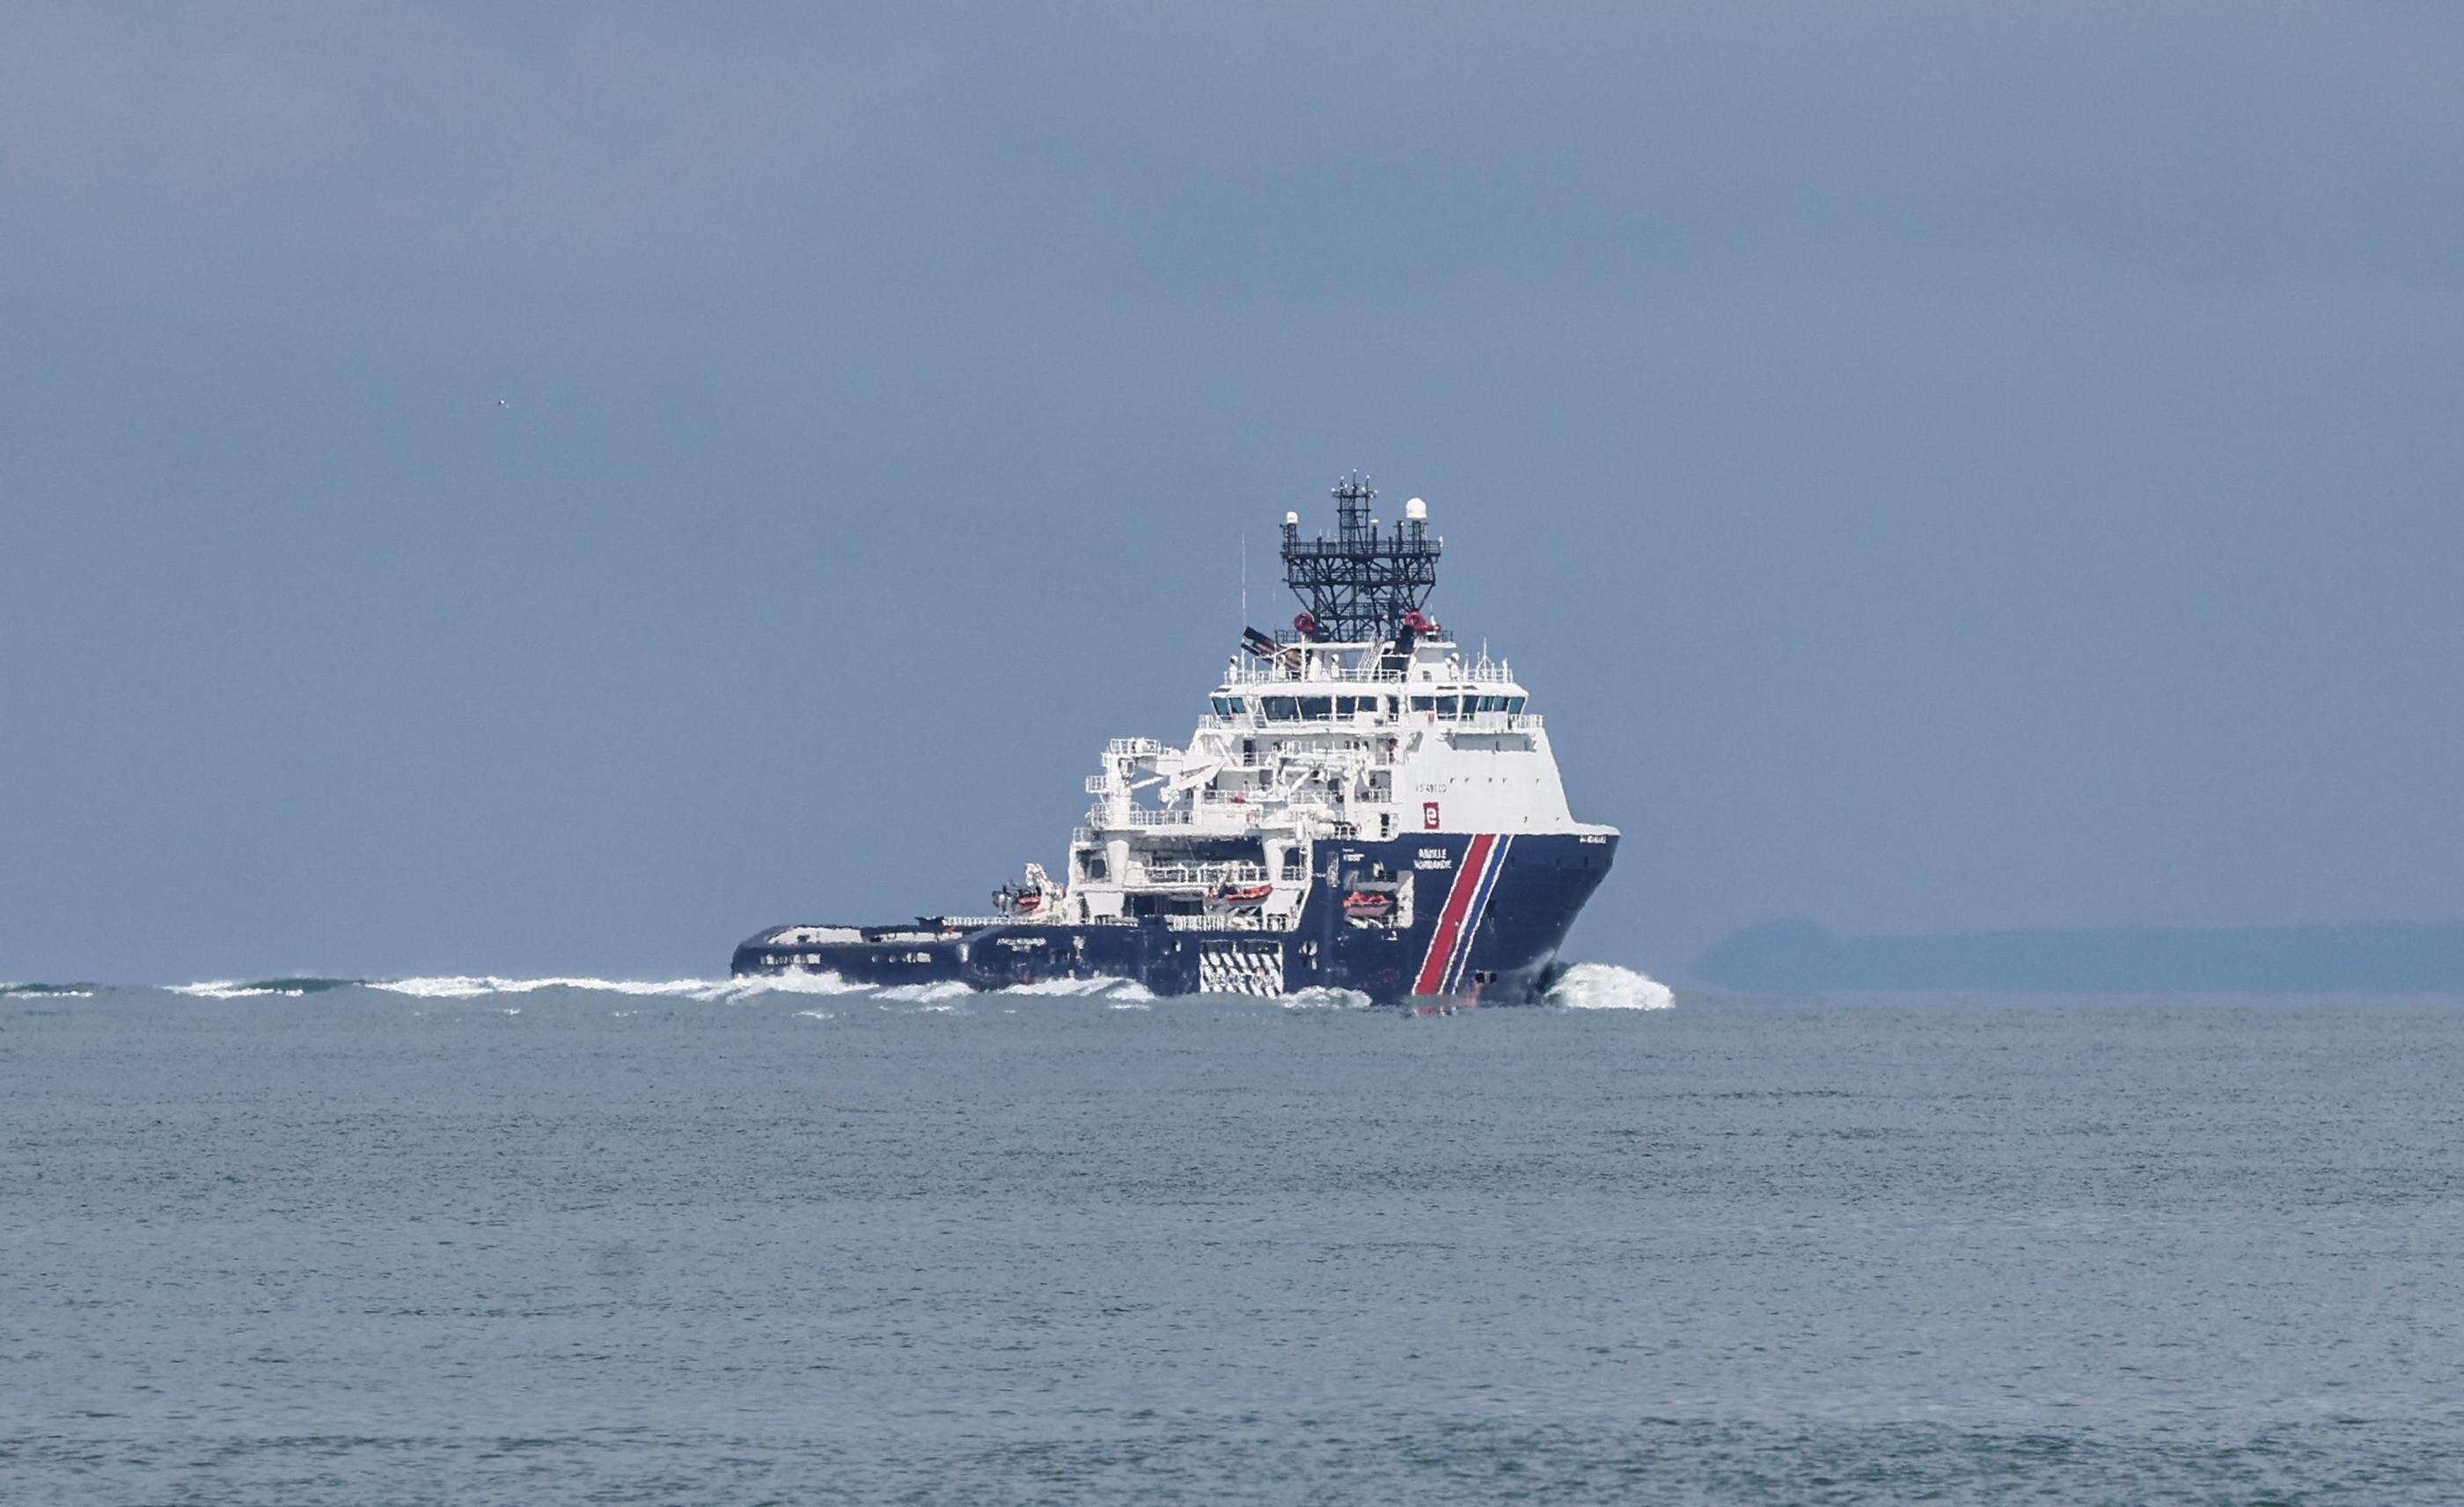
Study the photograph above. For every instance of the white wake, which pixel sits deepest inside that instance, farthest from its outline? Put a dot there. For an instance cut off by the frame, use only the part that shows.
(1585, 986)
(466, 987)
(1604, 985)
(1108, 987)
(1318, 996)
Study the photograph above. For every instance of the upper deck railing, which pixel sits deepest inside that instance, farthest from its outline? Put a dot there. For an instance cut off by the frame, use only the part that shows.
(1185, 876)
(1215, 813)
(1406, 720)
(1296, 669)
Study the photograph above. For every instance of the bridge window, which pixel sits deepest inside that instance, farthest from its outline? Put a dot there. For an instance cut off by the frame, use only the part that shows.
(1514, 705)
(1317, 708)
(1280, 708)
(1348, 705)
(1449, 706)
(1424, 704)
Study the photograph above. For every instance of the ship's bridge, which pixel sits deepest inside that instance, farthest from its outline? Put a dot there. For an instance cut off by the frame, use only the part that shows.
(1311, 682)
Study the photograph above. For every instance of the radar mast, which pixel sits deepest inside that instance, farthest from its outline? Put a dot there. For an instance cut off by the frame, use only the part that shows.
(1360, 586)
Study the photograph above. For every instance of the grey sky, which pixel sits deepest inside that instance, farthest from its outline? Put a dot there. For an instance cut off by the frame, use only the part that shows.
(1983, 466)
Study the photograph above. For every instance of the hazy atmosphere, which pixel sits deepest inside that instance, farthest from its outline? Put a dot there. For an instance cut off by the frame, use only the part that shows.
(561, 491)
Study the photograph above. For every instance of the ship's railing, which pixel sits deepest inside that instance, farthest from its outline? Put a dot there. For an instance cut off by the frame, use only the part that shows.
(1231, 872)
(1252, 723)
(1257, 801)
(1294, 733)
(1406, 715)
(1274, 812)
(1142, 816)
(1282, 672)
(1234, 921)
(1472, 722)
(1215, 816)
(1217, 921)
(977, 922)
(1349, 754)
(1258, 809)
(812, 936)
(1134, 745)
(1493, 722)
(1264, 674)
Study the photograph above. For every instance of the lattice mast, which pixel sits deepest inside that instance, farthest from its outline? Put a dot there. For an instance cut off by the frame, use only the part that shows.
(1360, 586)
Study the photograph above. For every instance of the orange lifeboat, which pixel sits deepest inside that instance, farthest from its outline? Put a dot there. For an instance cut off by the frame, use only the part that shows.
(1368, 904)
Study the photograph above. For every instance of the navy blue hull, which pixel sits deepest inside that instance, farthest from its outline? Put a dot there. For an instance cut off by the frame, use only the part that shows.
(1481, 917)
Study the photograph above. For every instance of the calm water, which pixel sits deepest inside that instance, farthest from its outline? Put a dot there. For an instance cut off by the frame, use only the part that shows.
(359, 1245)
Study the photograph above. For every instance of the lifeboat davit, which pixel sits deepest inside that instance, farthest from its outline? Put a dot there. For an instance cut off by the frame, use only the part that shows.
(1241, 894)
(1368, 904)
(1027, 903)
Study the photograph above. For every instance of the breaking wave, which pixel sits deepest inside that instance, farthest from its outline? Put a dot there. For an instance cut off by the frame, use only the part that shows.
(1120, 989)
(237, 990)
(825, 982)
(467, 987)
(48, 991)
(1604, 985)
(1318, 996)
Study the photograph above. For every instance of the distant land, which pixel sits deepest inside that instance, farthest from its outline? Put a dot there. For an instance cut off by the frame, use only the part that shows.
(2376, 958)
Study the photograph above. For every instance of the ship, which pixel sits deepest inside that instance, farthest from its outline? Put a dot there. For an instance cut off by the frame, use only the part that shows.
(1364, 806)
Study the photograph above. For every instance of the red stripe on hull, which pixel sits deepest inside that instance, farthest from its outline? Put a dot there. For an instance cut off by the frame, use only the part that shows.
(1441, 945)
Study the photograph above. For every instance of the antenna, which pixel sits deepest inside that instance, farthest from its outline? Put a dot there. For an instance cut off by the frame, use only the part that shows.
(1244, 578)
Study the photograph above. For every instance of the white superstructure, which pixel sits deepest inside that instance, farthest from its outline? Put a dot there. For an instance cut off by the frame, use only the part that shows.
(1308, 743)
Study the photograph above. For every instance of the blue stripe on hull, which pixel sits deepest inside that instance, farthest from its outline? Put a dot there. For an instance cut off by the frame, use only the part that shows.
(1531, 889)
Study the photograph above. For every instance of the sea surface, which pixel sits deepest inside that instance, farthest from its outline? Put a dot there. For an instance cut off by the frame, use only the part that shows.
(600, 1241)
